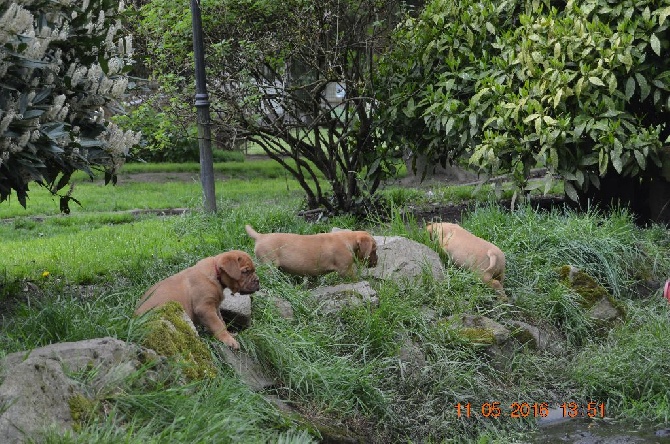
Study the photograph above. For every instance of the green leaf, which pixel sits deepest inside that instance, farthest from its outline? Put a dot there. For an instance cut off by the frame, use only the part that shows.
(663, 14)
(548, 182)
(557, 97)
(549, 120)
(630, 88)
(612, 83)
(570, 191)
(603, 161)
(490, 28)
(32, 113)
(596, 81)
(617, 162)
(449, 125)
(655, 44)
(579, 86)
(644, 86)
(641, 160)
(409, 108)
(531, 118)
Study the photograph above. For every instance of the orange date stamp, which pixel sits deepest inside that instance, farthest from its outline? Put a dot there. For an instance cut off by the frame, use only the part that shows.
(591, 409)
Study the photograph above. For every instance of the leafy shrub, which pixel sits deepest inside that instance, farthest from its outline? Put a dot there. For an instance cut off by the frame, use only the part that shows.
(581, 87)
(164, 140)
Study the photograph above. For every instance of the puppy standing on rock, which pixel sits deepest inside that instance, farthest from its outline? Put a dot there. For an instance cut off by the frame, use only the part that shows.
(469, 251)
(199, 289)
(315, 254)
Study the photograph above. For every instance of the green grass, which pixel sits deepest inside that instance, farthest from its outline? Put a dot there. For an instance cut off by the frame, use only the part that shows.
(234, 181)
(343, 370)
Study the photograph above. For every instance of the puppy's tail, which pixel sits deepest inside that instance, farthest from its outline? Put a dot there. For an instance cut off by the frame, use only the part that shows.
(251, 232)
(493, 260)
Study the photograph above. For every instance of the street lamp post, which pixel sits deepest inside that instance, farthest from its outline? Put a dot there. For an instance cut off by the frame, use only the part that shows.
(202, 108)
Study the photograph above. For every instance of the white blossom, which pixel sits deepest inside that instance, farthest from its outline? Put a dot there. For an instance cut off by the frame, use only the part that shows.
(119, 87)
(15, 20)
(101, 20)
(78, 74)
(6, 120)
(23, 140)
(115, 66)
(62, 114)
(105, 86)
(129, 45)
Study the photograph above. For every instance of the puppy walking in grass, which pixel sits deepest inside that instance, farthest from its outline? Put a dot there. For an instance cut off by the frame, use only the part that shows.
(199, 289)
(474, 253)
(315, 254)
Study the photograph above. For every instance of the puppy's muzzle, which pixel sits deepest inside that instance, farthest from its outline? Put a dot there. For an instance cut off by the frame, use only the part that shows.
(250, 285)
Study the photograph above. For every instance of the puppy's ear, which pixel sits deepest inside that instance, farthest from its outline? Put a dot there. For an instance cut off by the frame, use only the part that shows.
(230, 265)
(365, 246)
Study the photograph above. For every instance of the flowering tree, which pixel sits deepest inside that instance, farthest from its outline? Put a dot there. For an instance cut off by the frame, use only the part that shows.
(62, 73)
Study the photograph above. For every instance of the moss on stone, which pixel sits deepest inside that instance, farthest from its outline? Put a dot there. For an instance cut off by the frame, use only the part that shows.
(170, 335)
(590, 290)
(82, 410)
(584, 285)
(478, 335)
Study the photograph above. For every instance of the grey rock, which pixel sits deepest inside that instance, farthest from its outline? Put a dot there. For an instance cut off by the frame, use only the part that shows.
(284, 308)
(37, 385)
(335, 298)
(236, 309)
(248, 369)
(529, 334)
(603, 310)
(499, 332)
(412, 358)
(399, 257)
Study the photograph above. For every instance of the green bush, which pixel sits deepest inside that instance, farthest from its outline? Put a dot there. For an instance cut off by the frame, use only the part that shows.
(581, 87)
(164, 140)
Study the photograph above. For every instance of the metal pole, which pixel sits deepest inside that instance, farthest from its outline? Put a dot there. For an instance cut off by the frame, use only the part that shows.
(202, 107)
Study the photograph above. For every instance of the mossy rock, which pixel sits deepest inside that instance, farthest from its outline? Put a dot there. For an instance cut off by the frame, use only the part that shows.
(478, 330)
(170, 334)
(82, 410)
(474, 335)
(594, 297)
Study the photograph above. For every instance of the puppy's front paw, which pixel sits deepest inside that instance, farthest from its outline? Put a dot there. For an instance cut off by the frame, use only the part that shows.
(231, 342)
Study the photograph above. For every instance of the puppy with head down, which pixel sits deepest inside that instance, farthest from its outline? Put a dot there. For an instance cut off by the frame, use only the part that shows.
(199, 289)
(315, 254)
(474, 253)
